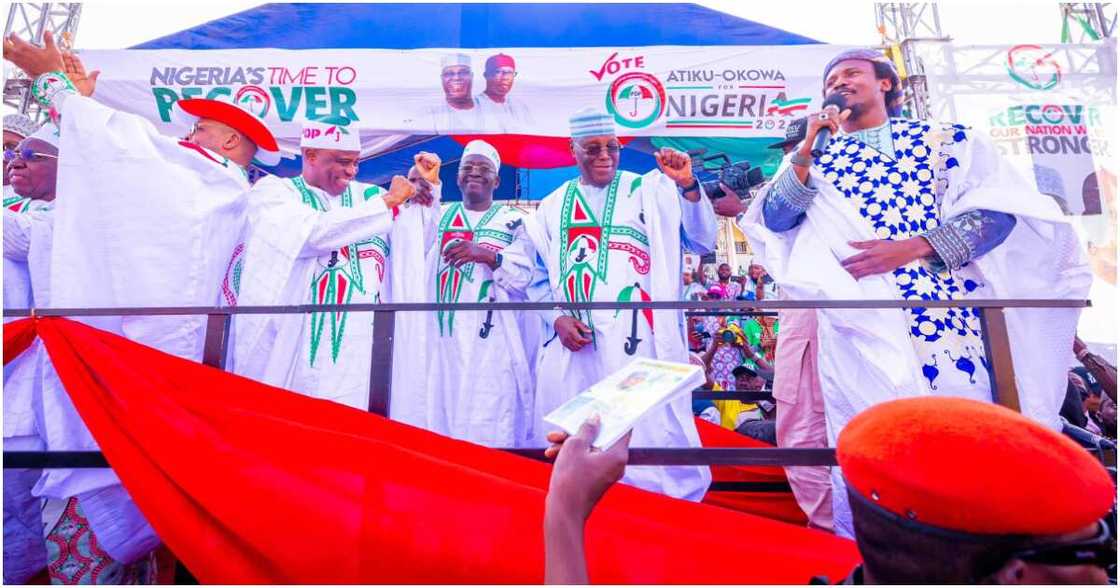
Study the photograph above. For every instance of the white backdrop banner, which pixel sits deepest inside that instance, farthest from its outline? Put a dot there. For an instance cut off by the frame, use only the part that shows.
(740, 91)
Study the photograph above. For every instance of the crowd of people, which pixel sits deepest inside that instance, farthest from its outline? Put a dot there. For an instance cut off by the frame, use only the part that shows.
(107, 211)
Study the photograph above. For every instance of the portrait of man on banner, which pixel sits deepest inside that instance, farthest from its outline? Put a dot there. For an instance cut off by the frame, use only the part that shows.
(459, 111)
(507, 112)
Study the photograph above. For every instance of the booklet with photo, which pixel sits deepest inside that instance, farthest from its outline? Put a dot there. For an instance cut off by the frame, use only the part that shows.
(625, 396)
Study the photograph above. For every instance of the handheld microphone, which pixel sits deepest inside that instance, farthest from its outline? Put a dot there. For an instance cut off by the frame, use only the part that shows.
(835, 102)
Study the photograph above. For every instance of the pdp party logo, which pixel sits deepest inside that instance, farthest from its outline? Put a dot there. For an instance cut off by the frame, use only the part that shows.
(253, 99)
(636, 99)
(1032, 67)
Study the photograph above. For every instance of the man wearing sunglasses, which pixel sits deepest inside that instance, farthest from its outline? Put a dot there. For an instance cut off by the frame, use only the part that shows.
(616, 236)
(17, 127)
(943, 491)
(142, 219)
(33, 164)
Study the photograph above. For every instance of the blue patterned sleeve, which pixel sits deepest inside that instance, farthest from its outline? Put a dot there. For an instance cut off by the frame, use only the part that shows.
(967, 236)
(786, 201)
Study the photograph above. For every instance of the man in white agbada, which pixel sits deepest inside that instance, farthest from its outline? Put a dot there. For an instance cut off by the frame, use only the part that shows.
(616, 236)
(907, 209)
(141, 219)
(33, 164)
(324, 238)
(480, 383)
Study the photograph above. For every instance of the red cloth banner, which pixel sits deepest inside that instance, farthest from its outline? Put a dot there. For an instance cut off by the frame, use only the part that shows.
(247, 483)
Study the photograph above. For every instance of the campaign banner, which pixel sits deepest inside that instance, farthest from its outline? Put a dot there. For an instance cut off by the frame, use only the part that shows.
(727, 91)
(1051, 112)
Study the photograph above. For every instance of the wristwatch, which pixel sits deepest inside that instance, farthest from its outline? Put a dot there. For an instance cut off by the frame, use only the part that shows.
(695, 186)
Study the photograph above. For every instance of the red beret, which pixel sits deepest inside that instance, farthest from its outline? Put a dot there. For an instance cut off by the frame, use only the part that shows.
(971, 466)
(192, 109)
(499, 60)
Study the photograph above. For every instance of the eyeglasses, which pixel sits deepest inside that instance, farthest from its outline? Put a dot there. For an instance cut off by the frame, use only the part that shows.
(462, 73)
(1099, 551)
(596, 150)
(27, 154)
(470, 168)
(504, 73)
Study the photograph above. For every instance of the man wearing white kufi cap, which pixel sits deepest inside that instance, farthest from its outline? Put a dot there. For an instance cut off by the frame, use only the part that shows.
(479, 383)
(459, 111)
(324, 238)
(615, 236)
(17, 127)
(33, 159)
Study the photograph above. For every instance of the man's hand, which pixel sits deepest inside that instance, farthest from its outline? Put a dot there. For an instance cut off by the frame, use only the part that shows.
(582, 473)
(881, 256)
(34, 61)
(832, 121)
(74, 70)
(428, 166)
(572, 332)
(424, 192)
(676, 165)
(465, 251)
(730, 205)
(400, 190)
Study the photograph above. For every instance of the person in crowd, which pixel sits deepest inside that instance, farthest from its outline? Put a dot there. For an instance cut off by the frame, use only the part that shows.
(894, 208)
(1103, 371)
(324, 238)
(693, 285)
(509, 113)
(731, 288)
(479, 383)
(705, 409)
(611, 235)
(760, 284)
(943, 491)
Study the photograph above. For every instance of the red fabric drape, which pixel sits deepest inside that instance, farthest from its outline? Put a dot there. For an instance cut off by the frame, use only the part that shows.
(18, 336)
(247, 483)
(775, 505)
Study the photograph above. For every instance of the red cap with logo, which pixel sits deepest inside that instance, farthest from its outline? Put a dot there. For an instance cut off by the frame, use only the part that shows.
(190, 110)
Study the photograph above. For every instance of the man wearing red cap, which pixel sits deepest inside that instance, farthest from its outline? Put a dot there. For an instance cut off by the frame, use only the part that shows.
(140, 219)
(943, 491)
(510, 114)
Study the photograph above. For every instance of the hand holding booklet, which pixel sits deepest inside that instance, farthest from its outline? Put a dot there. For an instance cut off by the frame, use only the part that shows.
(624, 397)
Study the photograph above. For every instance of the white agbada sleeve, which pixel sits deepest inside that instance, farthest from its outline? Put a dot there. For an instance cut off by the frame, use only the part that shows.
(140, 220)
(411, 246)
(1042, 240)
(285, 236)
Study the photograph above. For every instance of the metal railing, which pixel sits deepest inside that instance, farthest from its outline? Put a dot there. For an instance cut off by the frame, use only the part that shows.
(997, 349)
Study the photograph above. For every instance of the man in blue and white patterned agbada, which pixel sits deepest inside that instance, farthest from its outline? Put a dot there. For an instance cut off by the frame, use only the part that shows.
(908, 209)
(616, 236)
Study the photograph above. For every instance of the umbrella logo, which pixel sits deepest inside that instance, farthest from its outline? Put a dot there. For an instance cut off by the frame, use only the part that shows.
(636, 100)
(1033, 67)
(253, 99)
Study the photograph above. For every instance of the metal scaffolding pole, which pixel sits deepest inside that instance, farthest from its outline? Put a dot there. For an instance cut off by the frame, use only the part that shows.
(29, 20)
(902, 25)
(1086, 22)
